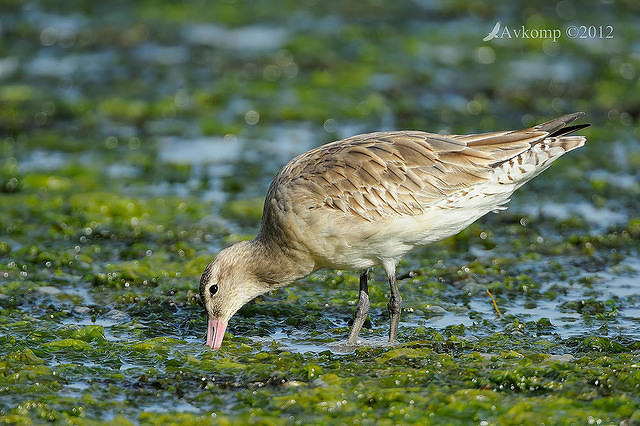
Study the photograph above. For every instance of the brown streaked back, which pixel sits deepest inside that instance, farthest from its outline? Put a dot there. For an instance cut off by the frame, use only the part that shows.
(384, 174)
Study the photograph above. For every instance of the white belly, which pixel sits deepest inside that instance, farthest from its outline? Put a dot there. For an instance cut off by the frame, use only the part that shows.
(359, 245)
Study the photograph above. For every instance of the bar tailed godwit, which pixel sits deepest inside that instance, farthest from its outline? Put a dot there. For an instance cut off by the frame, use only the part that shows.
(368, 200)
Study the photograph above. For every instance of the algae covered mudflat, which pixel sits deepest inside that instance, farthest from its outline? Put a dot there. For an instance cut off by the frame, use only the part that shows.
(137, 139)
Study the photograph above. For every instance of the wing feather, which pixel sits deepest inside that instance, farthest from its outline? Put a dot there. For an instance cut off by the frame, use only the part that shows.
(398, 173)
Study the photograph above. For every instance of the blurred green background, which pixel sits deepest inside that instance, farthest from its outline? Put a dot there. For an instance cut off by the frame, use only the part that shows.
(138, 138)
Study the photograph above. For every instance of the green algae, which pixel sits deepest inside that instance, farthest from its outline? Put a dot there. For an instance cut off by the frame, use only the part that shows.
(68, 345)
(246, 212)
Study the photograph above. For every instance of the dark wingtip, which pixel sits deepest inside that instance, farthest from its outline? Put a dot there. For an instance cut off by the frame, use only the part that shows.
(574, 116)
(555, 125)
(570, 129)
(568, 118)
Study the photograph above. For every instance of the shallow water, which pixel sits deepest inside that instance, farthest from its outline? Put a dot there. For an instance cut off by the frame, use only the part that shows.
(136, 141)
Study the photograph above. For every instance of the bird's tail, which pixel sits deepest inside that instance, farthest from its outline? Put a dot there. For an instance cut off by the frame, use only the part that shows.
(533, 161)
(558, 128)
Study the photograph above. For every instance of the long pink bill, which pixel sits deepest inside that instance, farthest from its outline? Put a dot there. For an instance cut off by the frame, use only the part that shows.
(215, 333)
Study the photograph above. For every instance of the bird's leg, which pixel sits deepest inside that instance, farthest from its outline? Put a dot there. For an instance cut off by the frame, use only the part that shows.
(395, 307)
(362, 310)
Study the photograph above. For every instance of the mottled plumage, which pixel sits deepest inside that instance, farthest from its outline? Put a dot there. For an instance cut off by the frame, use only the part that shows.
(371, 198)
(384, 174)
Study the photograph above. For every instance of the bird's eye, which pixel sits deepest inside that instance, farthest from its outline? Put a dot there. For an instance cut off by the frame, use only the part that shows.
(213, 289)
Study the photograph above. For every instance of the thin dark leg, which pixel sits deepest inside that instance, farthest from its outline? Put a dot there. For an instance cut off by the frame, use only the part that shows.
(395, 307)
(362, 310)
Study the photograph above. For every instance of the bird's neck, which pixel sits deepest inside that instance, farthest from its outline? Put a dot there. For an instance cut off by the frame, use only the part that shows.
(278, 265)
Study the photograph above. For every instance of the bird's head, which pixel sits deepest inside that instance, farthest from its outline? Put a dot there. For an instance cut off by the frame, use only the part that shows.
(226, 285)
